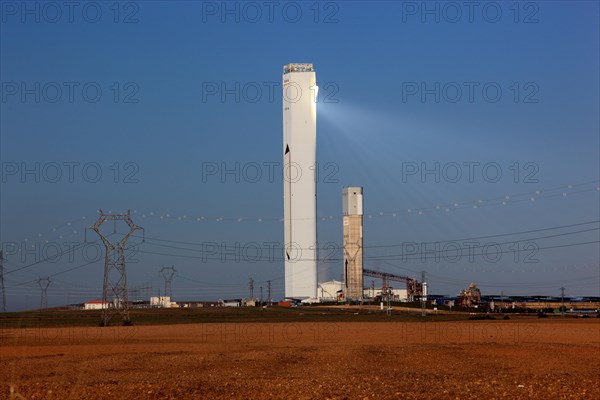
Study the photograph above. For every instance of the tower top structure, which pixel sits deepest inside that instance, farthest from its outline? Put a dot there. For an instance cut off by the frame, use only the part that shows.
(298, 67)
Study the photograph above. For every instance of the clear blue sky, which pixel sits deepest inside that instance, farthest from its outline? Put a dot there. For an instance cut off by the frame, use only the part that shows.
(389, 75)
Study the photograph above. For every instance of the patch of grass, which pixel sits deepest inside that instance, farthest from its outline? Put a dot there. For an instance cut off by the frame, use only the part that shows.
(158, 316)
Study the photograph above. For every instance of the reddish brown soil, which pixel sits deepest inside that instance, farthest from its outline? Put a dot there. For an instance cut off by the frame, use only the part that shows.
(436, 360)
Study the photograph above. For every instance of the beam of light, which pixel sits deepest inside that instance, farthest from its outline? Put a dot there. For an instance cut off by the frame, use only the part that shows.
(376, 143)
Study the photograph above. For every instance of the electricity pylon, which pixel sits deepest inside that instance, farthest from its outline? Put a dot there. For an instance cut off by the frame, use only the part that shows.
(423, 295)
(168, 273)
(251, 287)
(114, 290)
(562, 305)
(3, 295)
(44, 283)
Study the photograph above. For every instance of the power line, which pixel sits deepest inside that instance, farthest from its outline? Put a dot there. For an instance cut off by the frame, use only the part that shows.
(498, 235)
(386, 261)
(508, 198)
(413, 256)
(542, 284)
(208, 284)
(502, 200)
(57, 273)
(76, 247)
(498, 244)
(205, 244)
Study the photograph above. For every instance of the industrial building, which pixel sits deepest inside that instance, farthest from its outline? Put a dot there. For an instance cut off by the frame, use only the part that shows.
(162, 302)
(353, 287)
(470, 297)
(331, 290)
(197, 304)
(396, 294)
(300, 203)
(95, 305)
(299, 180)
(230, 303)
(352, 210)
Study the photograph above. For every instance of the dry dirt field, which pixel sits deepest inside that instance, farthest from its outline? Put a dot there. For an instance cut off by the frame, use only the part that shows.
(544, 359)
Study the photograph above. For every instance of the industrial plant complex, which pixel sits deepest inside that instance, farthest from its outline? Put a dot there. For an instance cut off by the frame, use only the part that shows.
(300, 207)
(334, 200)
(300, 251)
(301, 255)
(300, 222)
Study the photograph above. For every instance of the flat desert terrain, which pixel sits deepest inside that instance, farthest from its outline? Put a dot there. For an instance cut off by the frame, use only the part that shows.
(543, 359)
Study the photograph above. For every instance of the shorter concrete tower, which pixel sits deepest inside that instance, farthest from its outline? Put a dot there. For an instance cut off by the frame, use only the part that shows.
(352, 208)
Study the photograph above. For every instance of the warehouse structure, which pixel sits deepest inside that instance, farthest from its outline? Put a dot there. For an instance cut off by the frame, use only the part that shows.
(331, 290)
(162, 302)
(95, 305)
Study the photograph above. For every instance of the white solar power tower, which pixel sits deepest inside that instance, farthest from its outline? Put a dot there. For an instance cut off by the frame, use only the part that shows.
(299, 180)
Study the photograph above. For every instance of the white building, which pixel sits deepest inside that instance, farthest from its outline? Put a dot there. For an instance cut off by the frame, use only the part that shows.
(162, 301)
(329, 291)
(299, 180)
(95, 305)
(230, 303)
(397, 294)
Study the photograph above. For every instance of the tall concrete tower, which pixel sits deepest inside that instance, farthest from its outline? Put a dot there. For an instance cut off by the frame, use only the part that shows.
(352, 208)
(299, 180)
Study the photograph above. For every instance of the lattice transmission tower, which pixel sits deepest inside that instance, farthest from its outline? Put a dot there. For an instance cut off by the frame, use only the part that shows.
(168, 273)
(114, 289)
(44, 283)
(251, 287)
(3, 294)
